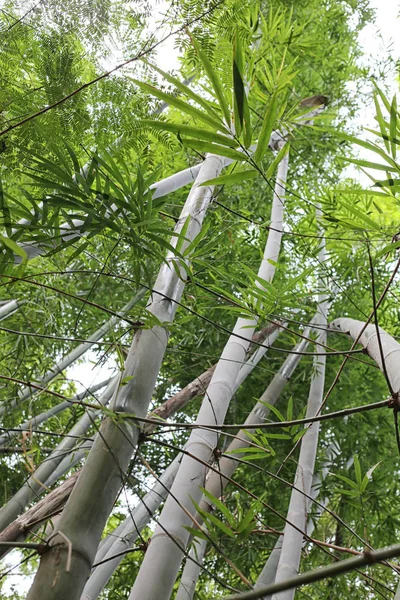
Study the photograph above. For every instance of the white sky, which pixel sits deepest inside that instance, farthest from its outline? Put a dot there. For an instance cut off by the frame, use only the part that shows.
(377, 40)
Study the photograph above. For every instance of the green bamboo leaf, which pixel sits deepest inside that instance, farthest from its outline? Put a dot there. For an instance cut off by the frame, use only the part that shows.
(179, 104)
(182, 235)
(354, 140)
(214, 149)
(371, 165)
(349, 482)
(185, 89)
(273, 409)
(382, 96)
(381, 121)
(221, 506)
(233, 178)
(11, 245)
(213, 77)
(197, 533)
(392, 183)
(240, 103)
(281, 154)
(393, 125)
(360, 215)
(387, 249)
(267, 127)
(196, 132)
(4, 210)
(357, 469)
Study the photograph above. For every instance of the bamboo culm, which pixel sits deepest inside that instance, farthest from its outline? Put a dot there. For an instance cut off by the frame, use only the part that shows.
(292, 543)
(216, 482)
(65, 567)
(134, 523)
(191, 570)
(165, 552)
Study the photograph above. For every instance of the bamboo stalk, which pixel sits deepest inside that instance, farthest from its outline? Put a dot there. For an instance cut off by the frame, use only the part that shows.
(9, 308)
(166, 549)
(333, 570)
(191, 571)
(371, 338)
(292, 543)
(134, 524)
(216, 482)
(72, 549)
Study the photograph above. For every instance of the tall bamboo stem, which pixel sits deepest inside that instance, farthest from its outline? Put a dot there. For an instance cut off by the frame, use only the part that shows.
(64, 569)
(170, 538)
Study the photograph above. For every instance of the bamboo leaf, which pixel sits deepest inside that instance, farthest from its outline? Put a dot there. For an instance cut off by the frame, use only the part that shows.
(393, 125)
(214, 149)
(179, 104)
(281, 154)
(381, 121)
(240, 102)
(213, 77)
(233, 178)
(267, 127)
(186, 130)
(221, 506)
(11, 245)
(371, 165)
(185, 89)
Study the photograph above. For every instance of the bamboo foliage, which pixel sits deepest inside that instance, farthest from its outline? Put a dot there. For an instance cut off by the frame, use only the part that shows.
(99, 223)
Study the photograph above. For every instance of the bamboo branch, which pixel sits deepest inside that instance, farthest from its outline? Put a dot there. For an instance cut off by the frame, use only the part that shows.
(333, 570)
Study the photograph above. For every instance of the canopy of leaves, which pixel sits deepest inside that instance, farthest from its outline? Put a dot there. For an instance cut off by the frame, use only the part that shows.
(80, 150)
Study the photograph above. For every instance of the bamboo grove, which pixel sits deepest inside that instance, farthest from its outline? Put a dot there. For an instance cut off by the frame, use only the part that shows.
(200, 371)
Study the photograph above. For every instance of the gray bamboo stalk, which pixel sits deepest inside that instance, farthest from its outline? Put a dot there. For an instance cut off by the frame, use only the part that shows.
(199, 385)
(71, 357)
(34, 486)
(370, 341)
(165, 552)
(331, 452)
(9, 308)
(320, 573)
(65, 567)
(71, 458)
(216, 482)
(268, 574)
(397, 594)
(191, 570)
(292, 543)
(55, 410)
(134, 524)
(108, 541)
(171, 406)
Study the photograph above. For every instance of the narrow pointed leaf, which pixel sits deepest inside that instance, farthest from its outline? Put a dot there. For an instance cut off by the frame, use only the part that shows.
(233, 178)
(214, 149)
(185, 89)
(213, 77)
(267, 127)
(179, 104)
(187, 130)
